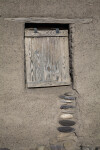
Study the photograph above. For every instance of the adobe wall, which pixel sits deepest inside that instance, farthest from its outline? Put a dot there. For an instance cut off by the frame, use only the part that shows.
(29, 117)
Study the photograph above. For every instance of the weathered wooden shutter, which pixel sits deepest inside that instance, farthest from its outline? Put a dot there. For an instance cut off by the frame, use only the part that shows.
(47, 58)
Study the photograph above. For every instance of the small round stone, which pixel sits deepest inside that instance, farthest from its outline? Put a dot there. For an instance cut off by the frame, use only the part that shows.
(69, 94)
(65, 129)
(42, 147)
(66, 101)
(67, 122)
(66, 116)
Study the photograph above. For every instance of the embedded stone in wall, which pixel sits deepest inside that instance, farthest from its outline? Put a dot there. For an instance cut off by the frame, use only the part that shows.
(70, 145)
(4, 149)
(41, 147)
(68, 94)
(97, 148)
(87, 148)
(66, 129)
(66, 116)
(57, 147)
(67, 97)
(66, 106)
(67, 122)
(66, 101)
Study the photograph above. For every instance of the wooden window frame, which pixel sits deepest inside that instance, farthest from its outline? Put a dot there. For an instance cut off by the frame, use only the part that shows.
(65, 78)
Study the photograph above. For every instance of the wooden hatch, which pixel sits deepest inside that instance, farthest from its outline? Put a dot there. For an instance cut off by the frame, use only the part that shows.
(47, 57)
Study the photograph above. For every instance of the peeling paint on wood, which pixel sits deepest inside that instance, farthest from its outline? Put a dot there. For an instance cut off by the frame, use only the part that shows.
(47, 59)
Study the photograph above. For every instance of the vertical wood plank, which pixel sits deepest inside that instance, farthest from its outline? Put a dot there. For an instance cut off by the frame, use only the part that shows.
(28, 58)
(47, 61)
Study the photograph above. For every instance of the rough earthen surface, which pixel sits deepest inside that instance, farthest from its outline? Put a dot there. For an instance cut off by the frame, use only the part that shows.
(30, 116)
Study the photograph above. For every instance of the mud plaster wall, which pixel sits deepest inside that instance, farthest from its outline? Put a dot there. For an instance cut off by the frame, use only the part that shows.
(29, 117)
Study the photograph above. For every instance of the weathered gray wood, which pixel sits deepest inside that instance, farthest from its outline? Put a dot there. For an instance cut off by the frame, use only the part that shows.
(46, 84)
(48, 33)
(47, 61)
(50, 20)
(28, 58)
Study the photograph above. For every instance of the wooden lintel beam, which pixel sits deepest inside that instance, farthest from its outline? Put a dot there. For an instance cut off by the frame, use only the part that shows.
(50, 20)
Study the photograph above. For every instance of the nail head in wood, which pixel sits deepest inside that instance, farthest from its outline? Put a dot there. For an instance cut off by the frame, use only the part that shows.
(35, 30)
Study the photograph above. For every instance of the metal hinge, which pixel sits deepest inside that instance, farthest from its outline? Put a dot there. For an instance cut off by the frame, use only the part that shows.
(57, 30)
(35, 30)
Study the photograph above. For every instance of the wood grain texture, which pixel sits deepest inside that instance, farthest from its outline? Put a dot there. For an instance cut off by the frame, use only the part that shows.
(47, 61)
(47, 33)
(50, 20)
